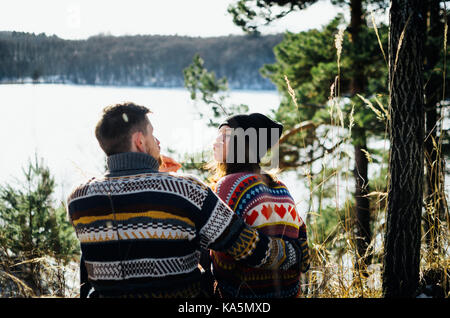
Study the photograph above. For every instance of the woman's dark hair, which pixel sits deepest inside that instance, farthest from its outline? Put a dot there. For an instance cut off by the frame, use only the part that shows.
(258, 133)
(221, 169)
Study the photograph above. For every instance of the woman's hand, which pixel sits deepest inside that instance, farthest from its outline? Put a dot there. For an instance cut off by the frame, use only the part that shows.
(168, 164)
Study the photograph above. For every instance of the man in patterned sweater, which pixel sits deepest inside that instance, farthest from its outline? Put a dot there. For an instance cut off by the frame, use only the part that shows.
(141, 230)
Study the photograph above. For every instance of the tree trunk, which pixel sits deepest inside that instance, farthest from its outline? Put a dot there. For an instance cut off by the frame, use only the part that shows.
(406, 127)
(358, 81)
(362, 209)
(362, 205)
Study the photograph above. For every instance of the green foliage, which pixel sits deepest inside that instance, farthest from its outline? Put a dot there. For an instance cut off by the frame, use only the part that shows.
(327, 227)
(198, 80)
(250, 15)
(329, 224)
(327, 221)
(30, 225)
(309, 61)
(195, 163)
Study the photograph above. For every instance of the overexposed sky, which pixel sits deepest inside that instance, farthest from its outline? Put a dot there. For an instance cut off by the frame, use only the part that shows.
(79, 19)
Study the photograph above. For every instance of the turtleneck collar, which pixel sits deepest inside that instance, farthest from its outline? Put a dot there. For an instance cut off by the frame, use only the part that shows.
(126, 162)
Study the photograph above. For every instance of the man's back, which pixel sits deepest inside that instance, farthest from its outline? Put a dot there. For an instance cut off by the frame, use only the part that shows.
(137, 230)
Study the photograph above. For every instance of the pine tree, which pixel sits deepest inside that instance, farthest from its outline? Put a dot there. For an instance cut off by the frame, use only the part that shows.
(32, 227)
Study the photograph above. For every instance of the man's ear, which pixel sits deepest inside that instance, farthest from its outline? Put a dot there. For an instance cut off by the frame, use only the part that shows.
(138, 142)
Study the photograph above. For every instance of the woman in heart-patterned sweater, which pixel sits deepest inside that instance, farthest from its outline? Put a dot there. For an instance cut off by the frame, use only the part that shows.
(264, 203)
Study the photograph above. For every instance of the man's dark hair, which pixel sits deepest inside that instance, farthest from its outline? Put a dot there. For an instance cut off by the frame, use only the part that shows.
(118, 123)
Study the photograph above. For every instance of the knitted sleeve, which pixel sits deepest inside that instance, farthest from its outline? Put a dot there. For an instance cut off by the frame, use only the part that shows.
(220, 229)
(302, 243)
(219, 190)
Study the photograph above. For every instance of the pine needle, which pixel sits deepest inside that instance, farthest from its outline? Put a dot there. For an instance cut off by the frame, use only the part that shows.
(291, 91)
(378, 37)
(370, 105)
(368, 156)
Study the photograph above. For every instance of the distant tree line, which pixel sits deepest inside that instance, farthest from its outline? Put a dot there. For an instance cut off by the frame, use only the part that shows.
(141, 60)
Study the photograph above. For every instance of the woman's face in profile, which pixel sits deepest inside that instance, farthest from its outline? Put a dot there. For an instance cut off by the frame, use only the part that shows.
(221, 142)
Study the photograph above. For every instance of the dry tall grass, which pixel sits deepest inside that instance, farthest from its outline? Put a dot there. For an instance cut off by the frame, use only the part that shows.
(333, 274)
(38, 277)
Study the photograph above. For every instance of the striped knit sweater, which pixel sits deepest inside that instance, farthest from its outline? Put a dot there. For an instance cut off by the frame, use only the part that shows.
(272, 211)
(141, 231)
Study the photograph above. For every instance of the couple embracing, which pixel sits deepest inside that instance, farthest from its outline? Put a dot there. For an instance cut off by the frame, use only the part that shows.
(142, 227)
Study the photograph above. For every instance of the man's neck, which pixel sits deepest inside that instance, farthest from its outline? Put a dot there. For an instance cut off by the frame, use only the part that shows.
(130, 162)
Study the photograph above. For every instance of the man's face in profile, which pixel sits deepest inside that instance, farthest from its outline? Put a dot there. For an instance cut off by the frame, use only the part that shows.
(152, 143)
